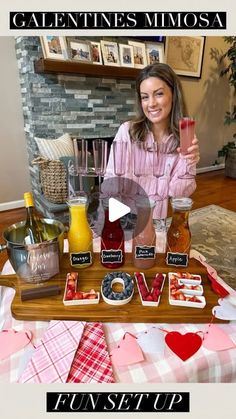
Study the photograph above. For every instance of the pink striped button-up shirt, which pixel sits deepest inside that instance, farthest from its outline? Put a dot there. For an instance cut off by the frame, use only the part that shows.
(157, 188)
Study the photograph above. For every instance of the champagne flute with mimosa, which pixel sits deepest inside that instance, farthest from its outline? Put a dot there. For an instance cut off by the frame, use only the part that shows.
(186, 135)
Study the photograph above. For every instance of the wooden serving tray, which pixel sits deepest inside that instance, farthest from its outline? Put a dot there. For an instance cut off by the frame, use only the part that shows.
(52, 308)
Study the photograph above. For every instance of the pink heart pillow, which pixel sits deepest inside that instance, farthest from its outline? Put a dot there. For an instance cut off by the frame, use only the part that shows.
(127, 352)
(12, 341)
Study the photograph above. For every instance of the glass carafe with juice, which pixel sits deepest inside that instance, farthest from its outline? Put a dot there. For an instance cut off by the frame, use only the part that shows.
(80, 235)
(178, 234)
(144, 235)
(112, 242)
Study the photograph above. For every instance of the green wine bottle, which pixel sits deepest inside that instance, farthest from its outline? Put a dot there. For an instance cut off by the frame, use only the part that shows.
(33, 233)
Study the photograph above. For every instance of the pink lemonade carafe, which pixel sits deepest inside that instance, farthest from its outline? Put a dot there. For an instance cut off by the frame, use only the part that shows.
(144, 235)
(80, 235)
(112, 242)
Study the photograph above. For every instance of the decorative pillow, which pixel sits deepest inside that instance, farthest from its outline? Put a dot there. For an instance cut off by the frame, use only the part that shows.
(54, 149)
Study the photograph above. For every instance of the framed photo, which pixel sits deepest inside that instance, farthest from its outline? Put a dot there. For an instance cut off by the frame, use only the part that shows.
(96, 53)
(79, 50)
(110, 53)
(54, 47)
(185, 54)
(140, 58)
(126, 55)
(155, 53)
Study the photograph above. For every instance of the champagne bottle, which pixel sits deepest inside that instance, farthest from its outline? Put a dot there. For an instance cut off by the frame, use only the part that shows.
(33, 233)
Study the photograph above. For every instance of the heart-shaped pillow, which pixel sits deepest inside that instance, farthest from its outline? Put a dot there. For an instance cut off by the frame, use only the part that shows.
(184, 346)
(127, 352)
(152, 341)
(216, 339)
(225, 310)
(12, 341)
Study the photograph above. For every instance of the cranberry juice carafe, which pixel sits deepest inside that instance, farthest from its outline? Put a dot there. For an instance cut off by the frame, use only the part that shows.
(80, 236)
(179, 235)
(144, 236)
(112, 242)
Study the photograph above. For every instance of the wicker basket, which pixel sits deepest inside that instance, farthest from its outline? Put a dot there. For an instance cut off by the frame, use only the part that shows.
(53, 179)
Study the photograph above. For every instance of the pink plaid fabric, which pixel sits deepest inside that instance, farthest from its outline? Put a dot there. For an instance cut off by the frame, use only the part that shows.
(203, 367)
(92, 362)
(53, 357)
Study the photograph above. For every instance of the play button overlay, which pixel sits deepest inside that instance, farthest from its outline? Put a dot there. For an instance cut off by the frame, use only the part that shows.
(117, 209)
(123, 197)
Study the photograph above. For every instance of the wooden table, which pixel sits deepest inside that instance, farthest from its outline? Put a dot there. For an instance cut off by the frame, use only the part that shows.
(53, 308)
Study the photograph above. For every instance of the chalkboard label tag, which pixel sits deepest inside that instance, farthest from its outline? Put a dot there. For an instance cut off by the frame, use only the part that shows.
(145, 252)
(177, 259)
(112, 256)
(80, 258)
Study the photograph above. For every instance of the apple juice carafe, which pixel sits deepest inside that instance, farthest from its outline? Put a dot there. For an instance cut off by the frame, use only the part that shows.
(80, 235)
(112, 242)
(178, 234)
(144, 236)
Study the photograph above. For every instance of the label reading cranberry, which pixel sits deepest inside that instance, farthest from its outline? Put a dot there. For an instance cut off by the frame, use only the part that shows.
(177, 259)
(145, 252)
(80, 258)
(111, 256)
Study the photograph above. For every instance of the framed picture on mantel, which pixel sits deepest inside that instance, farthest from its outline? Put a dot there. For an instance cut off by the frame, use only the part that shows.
(110, 53)
(155, 52)
(54, 47)
(96, 52)
(126, 55)
(139, 49)
(79, 50)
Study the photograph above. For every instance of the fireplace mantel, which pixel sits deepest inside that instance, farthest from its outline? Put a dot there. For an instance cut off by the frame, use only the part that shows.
(50, 66)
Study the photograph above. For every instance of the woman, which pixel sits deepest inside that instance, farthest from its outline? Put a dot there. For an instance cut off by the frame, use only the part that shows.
(159, 108)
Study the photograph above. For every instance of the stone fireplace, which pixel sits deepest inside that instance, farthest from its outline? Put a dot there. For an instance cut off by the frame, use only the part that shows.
(54, 104)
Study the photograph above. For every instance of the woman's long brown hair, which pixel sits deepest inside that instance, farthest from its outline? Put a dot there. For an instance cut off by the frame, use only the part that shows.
(140, 125)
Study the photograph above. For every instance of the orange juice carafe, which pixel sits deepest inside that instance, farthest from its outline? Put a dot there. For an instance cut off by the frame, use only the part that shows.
(178, 234)
(80, 235)
(144, 235)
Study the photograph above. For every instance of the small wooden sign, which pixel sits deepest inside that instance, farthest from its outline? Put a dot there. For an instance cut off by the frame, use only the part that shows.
(80, 258)
(111, 256)
(145, 252)
(177, 259)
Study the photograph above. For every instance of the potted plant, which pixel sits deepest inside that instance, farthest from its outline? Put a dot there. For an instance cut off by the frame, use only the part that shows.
(229, 150)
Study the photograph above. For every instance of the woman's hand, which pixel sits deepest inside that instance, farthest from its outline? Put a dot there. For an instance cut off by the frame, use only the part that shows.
(193, 152)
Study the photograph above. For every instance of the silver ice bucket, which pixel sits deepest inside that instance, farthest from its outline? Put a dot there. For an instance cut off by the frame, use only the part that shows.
(35, 262)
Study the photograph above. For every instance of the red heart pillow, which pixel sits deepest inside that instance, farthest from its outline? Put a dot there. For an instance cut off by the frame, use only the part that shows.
(184, 346)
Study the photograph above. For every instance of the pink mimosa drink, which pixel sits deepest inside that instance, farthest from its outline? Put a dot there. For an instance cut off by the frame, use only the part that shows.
(186, 133)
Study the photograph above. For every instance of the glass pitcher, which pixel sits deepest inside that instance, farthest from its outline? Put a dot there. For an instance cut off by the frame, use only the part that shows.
(179, 234)
(112, 241)
(144, 235)
(80, 235)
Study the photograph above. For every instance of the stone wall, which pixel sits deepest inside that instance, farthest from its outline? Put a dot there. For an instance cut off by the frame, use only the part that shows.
(88, 107)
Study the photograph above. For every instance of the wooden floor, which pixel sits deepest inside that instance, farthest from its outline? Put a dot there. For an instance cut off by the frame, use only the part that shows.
(212, 188)
(215, 188)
